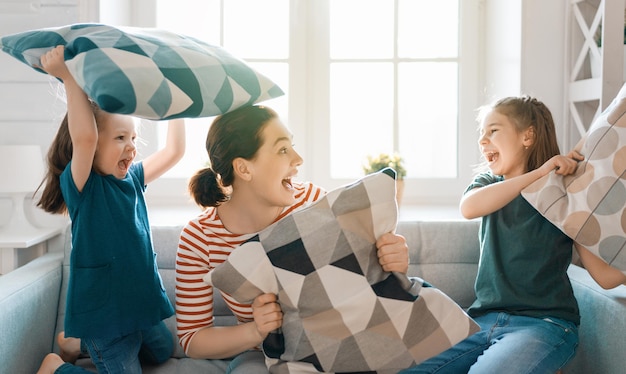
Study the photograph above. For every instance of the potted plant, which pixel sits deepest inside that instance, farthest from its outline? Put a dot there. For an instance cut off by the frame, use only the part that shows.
(384, 160)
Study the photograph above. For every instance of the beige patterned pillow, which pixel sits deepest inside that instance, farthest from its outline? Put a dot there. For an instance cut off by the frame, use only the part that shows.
(590, 205)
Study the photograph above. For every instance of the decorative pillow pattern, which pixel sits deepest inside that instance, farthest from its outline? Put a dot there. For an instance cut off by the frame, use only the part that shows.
(149, 73)
(590, 205)
(342, 312)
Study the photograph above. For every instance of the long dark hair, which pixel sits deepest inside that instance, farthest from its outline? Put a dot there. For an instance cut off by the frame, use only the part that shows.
(231, 135)
(59, 155)
(525, 112)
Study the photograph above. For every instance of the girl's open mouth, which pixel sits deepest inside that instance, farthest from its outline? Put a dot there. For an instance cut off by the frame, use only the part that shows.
(491, 156)
(124, 164)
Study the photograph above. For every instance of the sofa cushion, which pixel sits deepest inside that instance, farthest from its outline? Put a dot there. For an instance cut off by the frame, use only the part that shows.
(342, 312)
(145, 72)
(602, 326)
(590, 205)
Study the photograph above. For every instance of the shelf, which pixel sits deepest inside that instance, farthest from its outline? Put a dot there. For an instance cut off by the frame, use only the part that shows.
(592, 88)
(585, 90)
(27, 238)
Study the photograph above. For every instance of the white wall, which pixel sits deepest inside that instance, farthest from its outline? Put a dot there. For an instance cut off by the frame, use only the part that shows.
(502, 49)
(525, 54)
(543, 72)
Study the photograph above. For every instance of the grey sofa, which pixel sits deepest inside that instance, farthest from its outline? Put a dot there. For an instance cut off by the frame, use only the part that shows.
(443, 252)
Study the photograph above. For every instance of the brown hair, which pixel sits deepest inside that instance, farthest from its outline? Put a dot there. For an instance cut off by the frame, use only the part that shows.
(59, 155)
(231, 135)
(525, 112)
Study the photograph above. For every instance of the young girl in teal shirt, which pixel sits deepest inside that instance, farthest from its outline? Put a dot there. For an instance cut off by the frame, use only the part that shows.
(116, 302)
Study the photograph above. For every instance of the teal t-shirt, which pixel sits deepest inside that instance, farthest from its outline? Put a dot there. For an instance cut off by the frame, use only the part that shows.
(523, 263)
(114, 287)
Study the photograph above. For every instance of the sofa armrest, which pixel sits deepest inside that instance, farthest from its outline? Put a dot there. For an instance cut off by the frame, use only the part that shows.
(602, 326)
(29, 299)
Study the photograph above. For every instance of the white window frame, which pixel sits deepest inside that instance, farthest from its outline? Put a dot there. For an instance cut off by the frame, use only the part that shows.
(309, 108)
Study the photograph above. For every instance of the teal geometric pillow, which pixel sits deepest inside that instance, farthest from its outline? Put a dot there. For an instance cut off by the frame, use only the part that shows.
(146, 72)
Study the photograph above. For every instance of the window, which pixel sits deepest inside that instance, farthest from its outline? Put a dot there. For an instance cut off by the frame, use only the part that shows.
(361, 77)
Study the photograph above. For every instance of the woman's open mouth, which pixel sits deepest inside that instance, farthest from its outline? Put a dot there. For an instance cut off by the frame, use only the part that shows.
(287, 184)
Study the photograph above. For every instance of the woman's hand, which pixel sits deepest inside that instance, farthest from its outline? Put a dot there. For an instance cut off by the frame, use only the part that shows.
(393, 253)
(267, 314)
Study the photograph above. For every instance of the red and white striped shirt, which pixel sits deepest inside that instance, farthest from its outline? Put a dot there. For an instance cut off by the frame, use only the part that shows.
(204, 244)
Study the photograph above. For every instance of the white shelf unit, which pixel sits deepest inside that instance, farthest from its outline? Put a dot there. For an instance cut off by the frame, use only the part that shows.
(588, 96)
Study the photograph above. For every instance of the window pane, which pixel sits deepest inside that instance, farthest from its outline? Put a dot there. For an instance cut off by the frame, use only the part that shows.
(361, 28)
(361, 115)
(203, 23)
(257, 28)
(428, 113)
(428, 29)
(195, 154)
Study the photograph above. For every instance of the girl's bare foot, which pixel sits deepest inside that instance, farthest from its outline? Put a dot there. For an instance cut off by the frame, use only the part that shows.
(50, 363)
(70, 348)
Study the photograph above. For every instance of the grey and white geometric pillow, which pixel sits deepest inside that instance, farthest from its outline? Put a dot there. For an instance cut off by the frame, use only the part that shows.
(341, 312)
(146, 72)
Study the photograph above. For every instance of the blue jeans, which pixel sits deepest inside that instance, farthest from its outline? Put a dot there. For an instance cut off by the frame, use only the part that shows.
(125, 354)
(508, 344)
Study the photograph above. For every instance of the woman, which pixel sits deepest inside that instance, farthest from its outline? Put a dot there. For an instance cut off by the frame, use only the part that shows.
(249, 185)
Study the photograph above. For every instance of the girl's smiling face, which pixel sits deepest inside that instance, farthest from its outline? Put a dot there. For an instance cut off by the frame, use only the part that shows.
(275, 164)
(502, 145)
(116, 148)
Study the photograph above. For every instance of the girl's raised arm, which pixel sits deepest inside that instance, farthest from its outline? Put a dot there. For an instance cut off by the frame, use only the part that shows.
(81, 121)
(164, 159)
(482, 201)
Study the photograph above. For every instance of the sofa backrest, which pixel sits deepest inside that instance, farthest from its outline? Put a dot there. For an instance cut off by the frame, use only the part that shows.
(165, 241)
(445, 254)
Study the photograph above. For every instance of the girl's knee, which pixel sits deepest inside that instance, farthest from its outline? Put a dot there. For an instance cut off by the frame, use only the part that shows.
(50, 364)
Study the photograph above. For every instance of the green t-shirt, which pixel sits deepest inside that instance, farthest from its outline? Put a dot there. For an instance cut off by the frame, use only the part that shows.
(523, 263)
